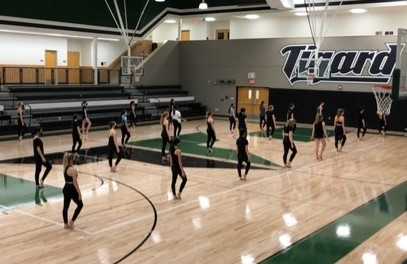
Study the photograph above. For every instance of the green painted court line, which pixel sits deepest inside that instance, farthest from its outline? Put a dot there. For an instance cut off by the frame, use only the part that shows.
(191, 144)
(16, 191)
(339, 238)
(302, 134)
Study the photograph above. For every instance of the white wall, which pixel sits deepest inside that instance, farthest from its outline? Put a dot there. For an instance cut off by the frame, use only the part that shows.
(343, 24)
(165, 32)
(30, 50)
(198, 28)
(84, 47)
(108, 51)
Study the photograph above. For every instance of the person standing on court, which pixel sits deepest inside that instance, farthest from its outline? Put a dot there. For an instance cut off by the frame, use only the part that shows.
(362, 123)
(232, 118)
(114, 147)
(124, 127)
(340, 131)
(382, 123)
(71, 190)
(211, 132)
(288, 142)
(86, 123)
(243, 155)
(76, 134)
(177, 168)
(262, 110)
(291, 114)
(39, 158)
(241, 117)
(21, 125)
(319, 135)
(165, 133)
(270, 121)
(176, 121)
(133, 116)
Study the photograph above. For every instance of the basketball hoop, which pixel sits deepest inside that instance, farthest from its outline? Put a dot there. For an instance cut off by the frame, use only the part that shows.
(382, 94)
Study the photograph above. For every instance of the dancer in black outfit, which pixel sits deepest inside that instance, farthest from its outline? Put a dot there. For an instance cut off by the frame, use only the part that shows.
(172, 105)
(40, 160)
(382, 123)
(133, 115)
(124, 127)
(114, 147)
(340, 132)
(243, 155)
(176, 168)
(211, 132)
(165, 132)
(241, 117)
(288, 142)
(362, 124)
(291, 115)
(76, 134)
(271, 121)
(21, 126)
(71, 190)
(232, 118)
(176, 121)
(319, 135)
(262, 110)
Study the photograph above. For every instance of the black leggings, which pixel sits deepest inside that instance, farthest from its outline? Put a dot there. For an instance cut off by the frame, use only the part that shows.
(70, 193)
(112, 152)
(362, 128)
(262, 121)
(20, 129)
(125, 135)
(175, 172)
(211, 138)
(270, 129)
(240, 159)
(339, 136)
(177, 128)
(165, 139)
(287, 148)
(232, 123)
(76, 140)
(38, 168)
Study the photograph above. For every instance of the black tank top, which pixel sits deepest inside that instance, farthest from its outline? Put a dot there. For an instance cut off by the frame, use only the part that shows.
(174, 157)
(68, 179)
(111, 142)
(318, 130)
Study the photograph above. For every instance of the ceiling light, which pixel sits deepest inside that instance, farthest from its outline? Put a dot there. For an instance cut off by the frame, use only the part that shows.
(203, 5)
(210, 19)
(160, 1)
(358, 11)
(252, 16)
(170, 21)
(300, 13)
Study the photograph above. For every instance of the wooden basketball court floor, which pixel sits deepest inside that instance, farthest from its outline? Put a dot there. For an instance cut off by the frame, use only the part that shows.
(349, 208)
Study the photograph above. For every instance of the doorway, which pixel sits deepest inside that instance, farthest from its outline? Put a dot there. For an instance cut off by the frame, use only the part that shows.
(250, 98)
(222, 34)
(185, 35)
(51, 61)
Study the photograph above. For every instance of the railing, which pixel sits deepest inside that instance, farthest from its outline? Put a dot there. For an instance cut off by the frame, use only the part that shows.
(16, 75)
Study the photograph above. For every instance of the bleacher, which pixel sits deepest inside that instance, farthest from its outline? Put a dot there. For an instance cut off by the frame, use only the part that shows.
(52, 108)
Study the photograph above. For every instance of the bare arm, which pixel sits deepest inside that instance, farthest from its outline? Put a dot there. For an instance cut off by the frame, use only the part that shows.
(343, 125)
(115, 142)
(180, 161)
(313, 132)
(291, 137)
(274, 120)
(79, 130)
(324, 129)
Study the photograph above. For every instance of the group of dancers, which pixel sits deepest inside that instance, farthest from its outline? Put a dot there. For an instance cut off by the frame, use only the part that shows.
(171, 128)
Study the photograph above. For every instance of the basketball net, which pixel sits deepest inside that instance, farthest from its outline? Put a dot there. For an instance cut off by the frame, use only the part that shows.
(383, 98)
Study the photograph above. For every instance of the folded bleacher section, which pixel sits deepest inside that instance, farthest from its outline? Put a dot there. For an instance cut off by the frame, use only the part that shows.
(52, 108)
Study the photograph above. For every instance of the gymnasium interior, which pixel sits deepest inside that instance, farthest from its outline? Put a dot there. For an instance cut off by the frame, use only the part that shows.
(307, 60)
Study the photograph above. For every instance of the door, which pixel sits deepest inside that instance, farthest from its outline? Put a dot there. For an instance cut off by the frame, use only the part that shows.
(51, 59)
(251, 98)
(222, 34)
(185, 35)
(74, 61)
